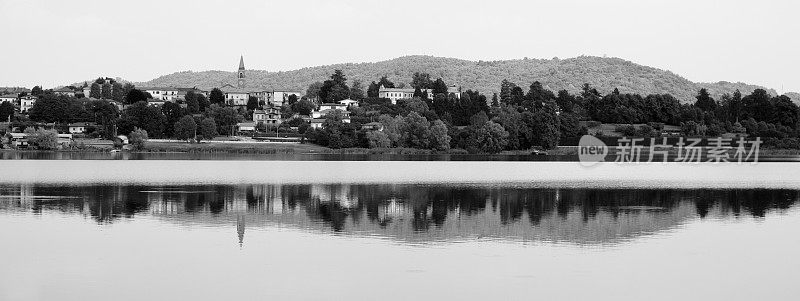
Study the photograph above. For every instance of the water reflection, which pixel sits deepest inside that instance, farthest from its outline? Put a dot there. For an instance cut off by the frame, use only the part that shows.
(407, 213)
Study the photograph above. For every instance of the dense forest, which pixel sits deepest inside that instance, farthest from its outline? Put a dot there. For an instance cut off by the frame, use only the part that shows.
(605, 74)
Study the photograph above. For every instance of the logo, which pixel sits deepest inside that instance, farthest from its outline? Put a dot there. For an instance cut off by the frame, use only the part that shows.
(591, 150)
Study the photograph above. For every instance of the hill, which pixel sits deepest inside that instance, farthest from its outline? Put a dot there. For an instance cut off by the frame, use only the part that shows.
(605, 74)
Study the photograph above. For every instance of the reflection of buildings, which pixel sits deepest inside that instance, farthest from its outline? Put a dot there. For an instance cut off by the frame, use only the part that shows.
(408, 213)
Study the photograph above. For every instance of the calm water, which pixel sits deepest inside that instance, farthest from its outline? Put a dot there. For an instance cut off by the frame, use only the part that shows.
(395, 242)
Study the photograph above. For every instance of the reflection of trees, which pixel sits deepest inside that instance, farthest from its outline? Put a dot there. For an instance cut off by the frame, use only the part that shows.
(410, 211)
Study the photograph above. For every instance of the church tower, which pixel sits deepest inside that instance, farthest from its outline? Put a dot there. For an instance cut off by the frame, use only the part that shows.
(240, 76)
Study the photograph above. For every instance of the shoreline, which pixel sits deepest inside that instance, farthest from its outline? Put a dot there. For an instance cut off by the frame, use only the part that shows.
(534, 174)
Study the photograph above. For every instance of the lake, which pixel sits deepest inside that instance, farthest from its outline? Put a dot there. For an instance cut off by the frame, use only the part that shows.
(398, 230)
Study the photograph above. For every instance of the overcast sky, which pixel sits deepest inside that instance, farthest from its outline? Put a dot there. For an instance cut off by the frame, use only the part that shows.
(56, 42)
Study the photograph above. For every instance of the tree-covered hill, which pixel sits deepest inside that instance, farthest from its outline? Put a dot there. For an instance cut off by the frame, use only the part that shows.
(605, 74)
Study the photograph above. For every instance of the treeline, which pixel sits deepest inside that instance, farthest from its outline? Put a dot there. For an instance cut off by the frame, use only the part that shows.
(207, 115)
(521, 119)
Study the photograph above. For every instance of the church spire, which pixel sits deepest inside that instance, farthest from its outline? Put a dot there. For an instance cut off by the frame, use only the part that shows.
(240, 78)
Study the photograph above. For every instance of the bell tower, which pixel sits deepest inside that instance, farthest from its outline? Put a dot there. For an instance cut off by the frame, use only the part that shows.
(241, 76)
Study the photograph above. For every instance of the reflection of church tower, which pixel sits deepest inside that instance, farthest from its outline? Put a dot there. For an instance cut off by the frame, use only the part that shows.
(240, 76)
(240, 228)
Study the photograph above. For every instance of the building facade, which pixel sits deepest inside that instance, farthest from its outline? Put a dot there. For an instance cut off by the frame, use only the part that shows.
(26, 103)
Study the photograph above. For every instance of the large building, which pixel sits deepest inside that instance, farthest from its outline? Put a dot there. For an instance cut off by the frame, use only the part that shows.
(394, 94)
(162, 93)
(235, 96)
(270, 115)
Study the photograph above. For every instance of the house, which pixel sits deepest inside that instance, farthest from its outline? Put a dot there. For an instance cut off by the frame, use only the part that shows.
(263, 95)
(454, 90)
(12, 98)
(326, 108)
(19, 140)
(372, 126)
(349, 102)
(316, 123)
(279, 97)
(394, 94)
(26, 102)
(246, 126)
(269, 115)
(87, 91)
(80, 127)
(183, 91)
(235, 96)
(162, 93)
(64, 91)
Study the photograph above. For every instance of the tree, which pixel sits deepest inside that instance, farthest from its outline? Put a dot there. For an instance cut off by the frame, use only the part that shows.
(105, 92)
(185, 128)
(216, 97)
(202, 102)
(252, 103)
(335, 88)
(439, 86)
(704, 101)
(303, 107)
(6, 111)
(105, 115)
(292, 99)
(417, 131)
(378, 139)
(133, 96)
(192, 105)
(207, 129)
(385, 82)
(439, 138)
(312, 93)
(373, 89)
(138, 138)
(140, 115)
(37, 91)
(172, 113)
(44, 139)
(757, 105)
(96, 91)
(421, 81)
(56, 108)
(356, 90)
(489, 138)
(225, 118)
(117, 92)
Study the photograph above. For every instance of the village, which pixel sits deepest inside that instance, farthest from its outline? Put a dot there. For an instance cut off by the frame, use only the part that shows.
(425, 115)
(262, 116)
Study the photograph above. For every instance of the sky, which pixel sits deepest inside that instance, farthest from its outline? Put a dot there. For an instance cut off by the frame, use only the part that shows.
(55, 42)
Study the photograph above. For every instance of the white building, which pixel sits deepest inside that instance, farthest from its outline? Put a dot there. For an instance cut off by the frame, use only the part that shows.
(12, 98)
(279, 97)
(267, 116)
(326, 108)
(26, 103)
(79, 127)
(394, 94)
(235, 96)
(162, 93)
(64, 91)
(349, 102)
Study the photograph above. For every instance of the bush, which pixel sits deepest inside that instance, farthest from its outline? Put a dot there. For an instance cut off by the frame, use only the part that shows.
(378, 139)
(43, 139)
(138, 138)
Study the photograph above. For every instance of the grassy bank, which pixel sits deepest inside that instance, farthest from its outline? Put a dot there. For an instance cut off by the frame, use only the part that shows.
(236, 148)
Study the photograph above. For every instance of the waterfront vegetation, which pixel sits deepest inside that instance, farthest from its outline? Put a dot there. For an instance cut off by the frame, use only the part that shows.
(515, 120)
